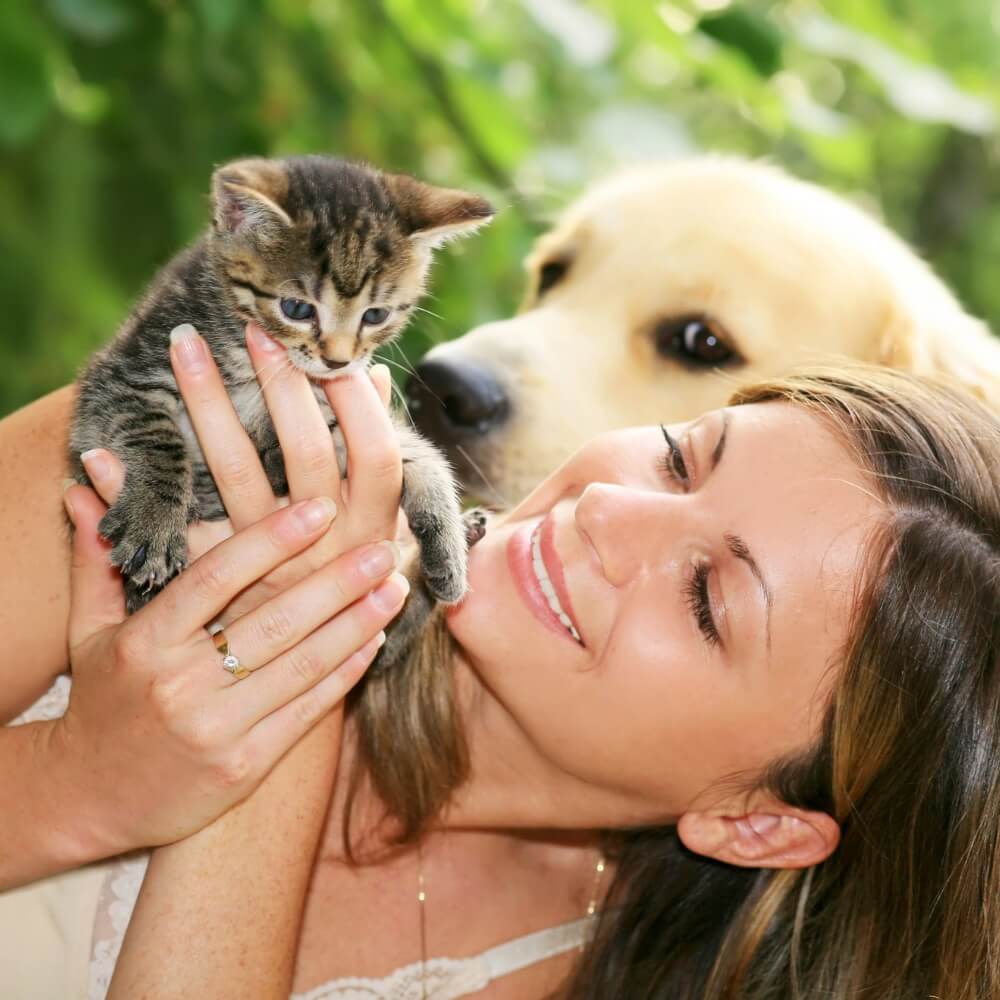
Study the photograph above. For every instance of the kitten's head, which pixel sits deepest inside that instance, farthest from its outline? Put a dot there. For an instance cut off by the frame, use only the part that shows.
(330, 256)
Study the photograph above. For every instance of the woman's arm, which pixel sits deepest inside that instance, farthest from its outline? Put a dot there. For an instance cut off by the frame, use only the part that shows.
(219, 912)
(34, 585)
(147, 752)
(34, 609)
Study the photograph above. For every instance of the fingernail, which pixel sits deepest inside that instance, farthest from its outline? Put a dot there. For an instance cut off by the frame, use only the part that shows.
(390, 595)
(315, 514)
(95, 462)
(373, 646)
(382, 371)
(188, 347)
(379, 559)
(67, 503)
(261, 339)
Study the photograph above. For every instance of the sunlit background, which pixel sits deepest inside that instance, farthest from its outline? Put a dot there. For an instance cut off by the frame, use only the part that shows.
(114, 112)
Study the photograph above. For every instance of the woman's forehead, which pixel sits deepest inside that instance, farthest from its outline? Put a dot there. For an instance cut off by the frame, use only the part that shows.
(807, 511)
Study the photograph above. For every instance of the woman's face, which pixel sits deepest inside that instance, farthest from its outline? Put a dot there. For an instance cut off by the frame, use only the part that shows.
(709, 583)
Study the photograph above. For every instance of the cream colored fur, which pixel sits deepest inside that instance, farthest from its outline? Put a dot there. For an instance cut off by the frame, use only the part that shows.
(790, 273)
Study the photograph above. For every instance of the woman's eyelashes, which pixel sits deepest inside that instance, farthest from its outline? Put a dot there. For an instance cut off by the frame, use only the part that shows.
(672, 462)
(699, 603)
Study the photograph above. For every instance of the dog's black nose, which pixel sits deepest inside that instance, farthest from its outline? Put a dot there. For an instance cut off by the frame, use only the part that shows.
(448, 399)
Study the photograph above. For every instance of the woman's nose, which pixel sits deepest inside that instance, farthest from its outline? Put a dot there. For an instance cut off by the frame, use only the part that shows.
(630, 529)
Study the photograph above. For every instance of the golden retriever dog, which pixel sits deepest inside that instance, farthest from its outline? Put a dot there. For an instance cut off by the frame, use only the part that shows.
(664, 288)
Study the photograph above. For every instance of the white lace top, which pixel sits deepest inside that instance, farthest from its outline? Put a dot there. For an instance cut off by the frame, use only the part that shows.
(437, 979)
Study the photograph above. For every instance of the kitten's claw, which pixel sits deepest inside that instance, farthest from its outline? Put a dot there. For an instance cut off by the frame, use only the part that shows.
(148, 551)
(135, 563)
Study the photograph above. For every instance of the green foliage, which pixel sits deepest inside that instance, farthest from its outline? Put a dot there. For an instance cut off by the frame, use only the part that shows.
(114, 112)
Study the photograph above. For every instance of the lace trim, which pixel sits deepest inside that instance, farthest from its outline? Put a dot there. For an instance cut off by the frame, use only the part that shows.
(115, 904)
(51, 705)
(451, 978)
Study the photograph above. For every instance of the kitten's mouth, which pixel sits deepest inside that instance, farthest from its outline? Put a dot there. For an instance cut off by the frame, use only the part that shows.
(319, 371)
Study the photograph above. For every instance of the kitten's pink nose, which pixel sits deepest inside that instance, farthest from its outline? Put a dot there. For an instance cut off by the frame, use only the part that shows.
(337, 350)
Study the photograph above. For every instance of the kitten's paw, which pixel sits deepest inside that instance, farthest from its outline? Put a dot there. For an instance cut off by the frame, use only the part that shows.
(475, 525)
(149, 552)
(443, 559)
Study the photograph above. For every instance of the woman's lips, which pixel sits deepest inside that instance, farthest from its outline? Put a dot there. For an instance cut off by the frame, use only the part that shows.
(520, 558)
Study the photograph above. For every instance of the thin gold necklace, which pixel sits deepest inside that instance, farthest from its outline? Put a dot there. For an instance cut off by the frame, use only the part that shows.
(599, 867)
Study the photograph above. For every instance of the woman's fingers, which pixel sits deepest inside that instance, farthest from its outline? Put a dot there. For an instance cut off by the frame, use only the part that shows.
(272, 737)
(382, 380)
(375, 470)
(195, 598)
(309, 662)
(230, 454)
(105, 472)
(306, 444)
(98, 597)
(280, 624)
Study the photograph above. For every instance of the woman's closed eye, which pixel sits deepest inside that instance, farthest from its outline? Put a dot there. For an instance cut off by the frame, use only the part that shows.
(696, 595)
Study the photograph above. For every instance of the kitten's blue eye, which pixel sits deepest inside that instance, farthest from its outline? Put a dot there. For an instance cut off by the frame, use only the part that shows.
(373, 317)
(297, 309)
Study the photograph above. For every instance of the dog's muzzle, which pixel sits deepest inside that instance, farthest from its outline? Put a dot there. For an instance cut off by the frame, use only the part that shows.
(453, 401)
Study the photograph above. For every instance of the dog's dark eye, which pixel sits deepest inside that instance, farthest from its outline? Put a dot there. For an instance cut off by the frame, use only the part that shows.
(373, 317)
(550, 274)
(297, 309)
(695, 339)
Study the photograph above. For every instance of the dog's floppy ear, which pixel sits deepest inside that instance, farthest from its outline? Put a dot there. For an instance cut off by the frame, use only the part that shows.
(942, 340)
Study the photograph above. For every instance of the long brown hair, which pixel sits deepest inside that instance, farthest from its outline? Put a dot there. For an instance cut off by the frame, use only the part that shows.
(908, 760)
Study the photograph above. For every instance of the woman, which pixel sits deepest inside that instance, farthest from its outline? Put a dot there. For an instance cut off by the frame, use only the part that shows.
(772, 630)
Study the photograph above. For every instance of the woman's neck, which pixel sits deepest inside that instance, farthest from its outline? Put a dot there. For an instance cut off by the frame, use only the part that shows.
(511, 786)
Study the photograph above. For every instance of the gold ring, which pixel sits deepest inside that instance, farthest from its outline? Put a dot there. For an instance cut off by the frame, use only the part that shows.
(230, 661)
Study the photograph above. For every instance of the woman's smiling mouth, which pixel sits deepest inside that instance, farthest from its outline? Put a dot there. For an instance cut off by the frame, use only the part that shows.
(538, 573)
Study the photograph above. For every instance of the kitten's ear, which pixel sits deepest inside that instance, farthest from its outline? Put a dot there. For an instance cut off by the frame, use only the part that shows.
(434, 214)
(247, 197)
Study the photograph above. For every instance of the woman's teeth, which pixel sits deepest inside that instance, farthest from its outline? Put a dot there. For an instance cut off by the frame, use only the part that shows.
(546, 584)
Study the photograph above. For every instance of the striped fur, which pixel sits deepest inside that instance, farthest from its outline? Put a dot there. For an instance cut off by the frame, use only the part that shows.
(341, 237)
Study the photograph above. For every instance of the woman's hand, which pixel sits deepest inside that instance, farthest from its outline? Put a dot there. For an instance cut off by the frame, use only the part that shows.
(306, 445)
(162, 737)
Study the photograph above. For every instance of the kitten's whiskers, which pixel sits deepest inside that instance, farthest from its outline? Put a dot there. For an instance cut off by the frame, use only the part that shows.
(497, 496)
(430, 312)
(270, 371)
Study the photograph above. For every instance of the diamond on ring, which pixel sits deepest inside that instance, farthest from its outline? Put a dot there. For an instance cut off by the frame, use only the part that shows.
(230, 661)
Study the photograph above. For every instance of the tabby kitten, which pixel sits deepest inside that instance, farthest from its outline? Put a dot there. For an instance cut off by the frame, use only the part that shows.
(329, 257)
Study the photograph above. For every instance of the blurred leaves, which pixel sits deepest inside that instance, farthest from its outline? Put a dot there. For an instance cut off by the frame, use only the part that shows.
(750, 33)
(113, 114)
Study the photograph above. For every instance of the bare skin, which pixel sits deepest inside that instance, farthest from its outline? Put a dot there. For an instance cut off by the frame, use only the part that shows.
(150, 748)
(34, 608)
(580, 777)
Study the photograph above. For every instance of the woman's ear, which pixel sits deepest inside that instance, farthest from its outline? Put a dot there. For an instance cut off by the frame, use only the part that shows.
(772, 835)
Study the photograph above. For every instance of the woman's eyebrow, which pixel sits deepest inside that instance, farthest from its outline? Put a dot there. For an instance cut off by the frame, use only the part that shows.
(738, 547)
(721, 443)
